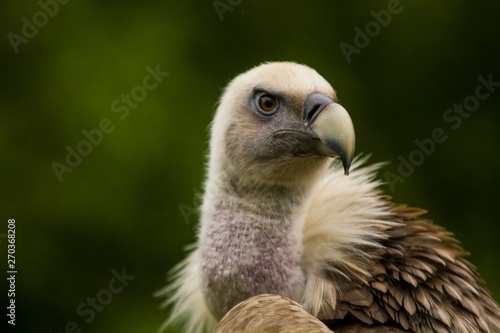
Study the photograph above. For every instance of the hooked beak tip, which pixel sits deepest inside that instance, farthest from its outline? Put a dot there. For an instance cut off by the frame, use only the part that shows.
(333, 127)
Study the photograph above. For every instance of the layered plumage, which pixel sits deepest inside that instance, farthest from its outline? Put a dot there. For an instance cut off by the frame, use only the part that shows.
(279, 218)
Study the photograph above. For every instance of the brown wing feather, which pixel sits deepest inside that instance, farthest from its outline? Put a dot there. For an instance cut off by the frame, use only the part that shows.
(419, 281)
(363, 328)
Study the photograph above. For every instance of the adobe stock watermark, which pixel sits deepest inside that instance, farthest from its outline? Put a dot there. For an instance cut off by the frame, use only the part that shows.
(29, 29)
(372, 29)
(95, 136)
(188, 211)
(87, 309)
(454, 117)
(225, 6)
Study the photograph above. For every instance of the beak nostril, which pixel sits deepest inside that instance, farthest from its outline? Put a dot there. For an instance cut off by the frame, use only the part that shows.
(310, 114)
(313, 105)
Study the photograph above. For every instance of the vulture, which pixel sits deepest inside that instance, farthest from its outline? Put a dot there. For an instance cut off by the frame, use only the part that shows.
(295, 231)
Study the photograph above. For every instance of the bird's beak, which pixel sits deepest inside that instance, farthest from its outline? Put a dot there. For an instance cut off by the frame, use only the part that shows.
(329, 122)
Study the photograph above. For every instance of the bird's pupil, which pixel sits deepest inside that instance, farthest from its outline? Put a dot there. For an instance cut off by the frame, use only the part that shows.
(267, 104)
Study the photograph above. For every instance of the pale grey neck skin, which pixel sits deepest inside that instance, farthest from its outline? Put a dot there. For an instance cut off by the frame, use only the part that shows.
(251, 241)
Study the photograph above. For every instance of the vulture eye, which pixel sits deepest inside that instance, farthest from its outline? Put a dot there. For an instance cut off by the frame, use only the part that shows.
(267, 104)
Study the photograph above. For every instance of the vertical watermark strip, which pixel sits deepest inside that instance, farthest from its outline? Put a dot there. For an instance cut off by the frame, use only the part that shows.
(11, 271)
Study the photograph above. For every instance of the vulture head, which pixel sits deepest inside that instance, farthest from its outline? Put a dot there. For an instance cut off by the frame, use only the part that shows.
(279, 122)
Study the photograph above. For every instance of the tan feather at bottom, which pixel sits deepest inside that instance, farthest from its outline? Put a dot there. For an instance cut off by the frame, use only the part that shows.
(269, 313)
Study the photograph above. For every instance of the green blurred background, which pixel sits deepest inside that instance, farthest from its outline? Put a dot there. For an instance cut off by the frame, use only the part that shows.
(131, 202)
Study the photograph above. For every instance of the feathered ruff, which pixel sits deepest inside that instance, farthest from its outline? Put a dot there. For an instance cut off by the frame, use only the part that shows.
(346, 216)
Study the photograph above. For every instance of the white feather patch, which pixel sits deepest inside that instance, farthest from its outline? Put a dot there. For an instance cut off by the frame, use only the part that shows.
(345, 212)
(185, 294)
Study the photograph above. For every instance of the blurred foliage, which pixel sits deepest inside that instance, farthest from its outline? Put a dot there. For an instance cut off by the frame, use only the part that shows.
(120, 206)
